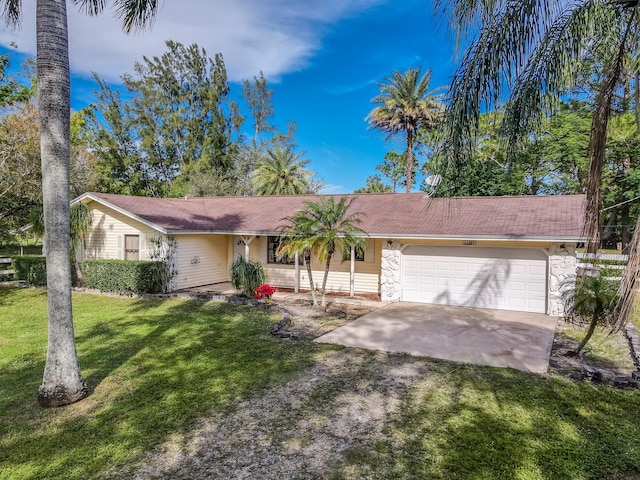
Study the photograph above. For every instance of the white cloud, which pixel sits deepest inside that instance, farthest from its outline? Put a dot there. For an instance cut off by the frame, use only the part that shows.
(275, 36)
(333, 190)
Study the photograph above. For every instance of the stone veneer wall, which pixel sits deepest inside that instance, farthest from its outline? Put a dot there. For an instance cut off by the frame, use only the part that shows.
(562, 275)
(390, 287)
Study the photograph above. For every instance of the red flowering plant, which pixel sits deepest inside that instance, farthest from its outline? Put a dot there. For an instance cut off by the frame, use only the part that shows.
(265, 291)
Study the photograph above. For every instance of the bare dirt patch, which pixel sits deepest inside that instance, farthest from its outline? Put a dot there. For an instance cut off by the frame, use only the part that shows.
(299, 430)
(311, 322)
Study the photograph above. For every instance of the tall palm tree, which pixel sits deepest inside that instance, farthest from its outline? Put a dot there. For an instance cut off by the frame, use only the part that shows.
(281, 172)
(62, 381)
(325, 226)
(531, 52)
(406, 106)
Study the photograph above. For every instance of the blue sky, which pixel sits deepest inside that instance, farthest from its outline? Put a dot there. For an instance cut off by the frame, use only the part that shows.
(321, 57)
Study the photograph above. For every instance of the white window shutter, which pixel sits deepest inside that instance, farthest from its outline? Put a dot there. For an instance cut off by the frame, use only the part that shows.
(369, 250)
(120, 252)
(143, 247)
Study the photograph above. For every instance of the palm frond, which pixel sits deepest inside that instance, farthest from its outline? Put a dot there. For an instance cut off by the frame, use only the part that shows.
(11, 12)
(91, 7)
(281, 171)
(468, 14)
(553, 67)
(494, 60)
(136, 14)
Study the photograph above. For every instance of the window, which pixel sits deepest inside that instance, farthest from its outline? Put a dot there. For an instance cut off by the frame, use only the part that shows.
(272, 247)
(132, 247)
(359, 254)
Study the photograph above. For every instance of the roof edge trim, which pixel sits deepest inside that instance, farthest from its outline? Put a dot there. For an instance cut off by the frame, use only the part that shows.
(126, 213)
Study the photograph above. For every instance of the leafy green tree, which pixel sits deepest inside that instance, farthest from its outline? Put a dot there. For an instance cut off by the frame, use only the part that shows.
(621, 181)
(282, 172)
(83, 173)
(178, 123)
(112, 138)
(11, 90)
(394, 168)
(406, 106)
(325, 226)
(20, 170)
(374, 185)
(62, 381)
(259, 99)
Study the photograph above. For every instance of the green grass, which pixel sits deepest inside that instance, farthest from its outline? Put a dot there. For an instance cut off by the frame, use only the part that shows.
(153, 368)
(605, 349)
(484, 423)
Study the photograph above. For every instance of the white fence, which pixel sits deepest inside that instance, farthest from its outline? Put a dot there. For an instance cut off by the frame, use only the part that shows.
(3, 270)
(583, 266)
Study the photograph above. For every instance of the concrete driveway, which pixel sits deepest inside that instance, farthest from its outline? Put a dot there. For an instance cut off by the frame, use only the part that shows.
(469, 335)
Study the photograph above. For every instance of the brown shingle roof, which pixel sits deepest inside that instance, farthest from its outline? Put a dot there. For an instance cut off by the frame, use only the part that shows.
(401, 215)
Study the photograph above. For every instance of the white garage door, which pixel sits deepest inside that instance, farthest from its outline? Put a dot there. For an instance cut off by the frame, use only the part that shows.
(500, 278)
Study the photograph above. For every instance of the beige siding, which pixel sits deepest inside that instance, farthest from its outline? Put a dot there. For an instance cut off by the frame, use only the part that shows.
(367, 274)
(106, 236)
(281, 275)
(201, 260)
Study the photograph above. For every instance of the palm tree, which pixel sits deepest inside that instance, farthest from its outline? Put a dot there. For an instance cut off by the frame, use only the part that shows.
(324, 226)
(592, 300)
(532, 52)
(407, 106)
(62, 381)
(282, 172)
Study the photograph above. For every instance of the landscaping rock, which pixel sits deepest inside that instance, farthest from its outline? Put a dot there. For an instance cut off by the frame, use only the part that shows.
(576, 376)
(621, 382)
(281, 328)
(282, 324)
(595, 375)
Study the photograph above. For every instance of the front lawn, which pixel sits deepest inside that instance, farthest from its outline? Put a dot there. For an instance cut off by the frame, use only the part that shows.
(188, 389)
(152, 367)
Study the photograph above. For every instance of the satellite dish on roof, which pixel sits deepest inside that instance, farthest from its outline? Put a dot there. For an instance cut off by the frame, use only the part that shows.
(433, 180)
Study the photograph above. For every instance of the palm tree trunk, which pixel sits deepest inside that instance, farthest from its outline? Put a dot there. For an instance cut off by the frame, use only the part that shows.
(627, 296)
(324, 280)
(62, 381)
(598, 143)
(307, 262)
(409, 160)
(587, 337)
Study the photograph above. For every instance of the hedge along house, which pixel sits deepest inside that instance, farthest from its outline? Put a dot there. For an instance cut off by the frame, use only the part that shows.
(511, 253)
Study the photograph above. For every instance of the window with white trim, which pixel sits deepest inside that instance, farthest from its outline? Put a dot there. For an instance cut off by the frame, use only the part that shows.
(272, 248)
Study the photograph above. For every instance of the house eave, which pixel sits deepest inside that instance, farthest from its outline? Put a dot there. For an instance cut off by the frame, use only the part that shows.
(497, 238)
(404, 236)
(126, 213)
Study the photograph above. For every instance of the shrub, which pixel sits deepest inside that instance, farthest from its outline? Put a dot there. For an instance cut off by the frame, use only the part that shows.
(247, 275)
(128, 277)
(31, 269)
